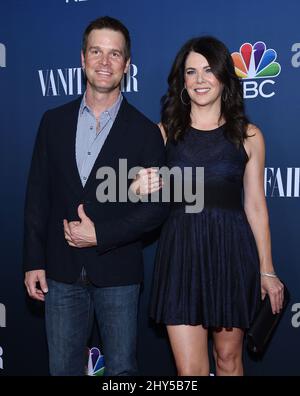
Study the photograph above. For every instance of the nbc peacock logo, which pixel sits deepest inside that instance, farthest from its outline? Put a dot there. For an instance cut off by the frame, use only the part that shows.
(254, 62)
(96, 365)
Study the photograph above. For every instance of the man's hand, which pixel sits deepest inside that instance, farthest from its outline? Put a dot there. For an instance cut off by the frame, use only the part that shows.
(81, 233)
(31, 280)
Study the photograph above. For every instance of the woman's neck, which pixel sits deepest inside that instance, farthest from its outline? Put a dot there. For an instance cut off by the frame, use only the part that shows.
(206, 118)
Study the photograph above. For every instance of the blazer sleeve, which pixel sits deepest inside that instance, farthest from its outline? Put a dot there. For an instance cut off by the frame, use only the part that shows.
(145, 216)
(37, 204)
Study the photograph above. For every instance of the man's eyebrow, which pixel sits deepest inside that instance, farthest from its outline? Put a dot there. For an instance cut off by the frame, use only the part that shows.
(111, 50)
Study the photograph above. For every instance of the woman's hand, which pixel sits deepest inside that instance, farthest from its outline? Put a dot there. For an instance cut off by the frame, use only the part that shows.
(147, 181)
(274, 288)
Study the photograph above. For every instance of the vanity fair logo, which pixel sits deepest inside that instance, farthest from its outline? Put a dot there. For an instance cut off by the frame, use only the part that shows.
(2, 55)
(296, 57)
(254, 65)
(70, 81)
(2, 324)
(57, 82)
(282, 182)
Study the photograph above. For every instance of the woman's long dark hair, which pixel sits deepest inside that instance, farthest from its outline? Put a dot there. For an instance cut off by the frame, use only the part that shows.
(175, 116)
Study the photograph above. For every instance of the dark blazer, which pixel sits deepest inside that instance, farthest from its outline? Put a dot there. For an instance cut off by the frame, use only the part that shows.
(54, 192)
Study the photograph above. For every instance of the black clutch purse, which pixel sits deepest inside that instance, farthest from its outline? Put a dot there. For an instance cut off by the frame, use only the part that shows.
(263, 325)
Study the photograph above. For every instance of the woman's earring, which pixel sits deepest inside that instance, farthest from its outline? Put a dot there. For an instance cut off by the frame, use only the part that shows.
(181, 98)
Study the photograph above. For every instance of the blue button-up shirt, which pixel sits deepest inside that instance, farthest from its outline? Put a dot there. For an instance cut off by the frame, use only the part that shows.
(89, 141)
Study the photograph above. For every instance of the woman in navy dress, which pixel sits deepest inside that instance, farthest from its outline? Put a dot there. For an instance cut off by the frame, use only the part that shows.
(212, 267)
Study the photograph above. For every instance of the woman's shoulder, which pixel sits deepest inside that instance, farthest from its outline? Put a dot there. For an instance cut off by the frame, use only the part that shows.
(254, 131)
(255, 140)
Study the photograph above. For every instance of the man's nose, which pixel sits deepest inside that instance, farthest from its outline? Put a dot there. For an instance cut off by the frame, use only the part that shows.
(104, 59)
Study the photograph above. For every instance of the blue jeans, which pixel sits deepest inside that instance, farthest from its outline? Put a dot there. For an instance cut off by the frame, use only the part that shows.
(69, 310)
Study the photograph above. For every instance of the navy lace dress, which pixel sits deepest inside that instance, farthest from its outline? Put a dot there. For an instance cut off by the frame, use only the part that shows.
(206, 266)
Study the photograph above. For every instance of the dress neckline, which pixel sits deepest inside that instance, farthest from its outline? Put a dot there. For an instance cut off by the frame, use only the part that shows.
(200, 131)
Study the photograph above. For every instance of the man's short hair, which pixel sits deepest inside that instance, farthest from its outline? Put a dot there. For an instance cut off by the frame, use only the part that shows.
(107, 22)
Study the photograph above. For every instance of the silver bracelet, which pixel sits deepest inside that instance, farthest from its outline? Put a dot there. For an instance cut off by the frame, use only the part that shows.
(269, 274)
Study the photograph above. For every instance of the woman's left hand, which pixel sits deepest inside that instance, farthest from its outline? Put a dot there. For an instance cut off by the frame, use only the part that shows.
(147, 181)
(274, 288)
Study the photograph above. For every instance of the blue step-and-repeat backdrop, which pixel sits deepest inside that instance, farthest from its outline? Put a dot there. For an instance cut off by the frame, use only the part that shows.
(40, 44)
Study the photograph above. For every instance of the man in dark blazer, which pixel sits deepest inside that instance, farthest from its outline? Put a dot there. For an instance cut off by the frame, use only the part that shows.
(81, 254)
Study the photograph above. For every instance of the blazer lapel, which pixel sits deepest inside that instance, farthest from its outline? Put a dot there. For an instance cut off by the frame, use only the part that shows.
(69, 155)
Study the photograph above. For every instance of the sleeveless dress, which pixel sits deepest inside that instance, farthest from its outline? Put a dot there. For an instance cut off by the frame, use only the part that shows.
(206, 266)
